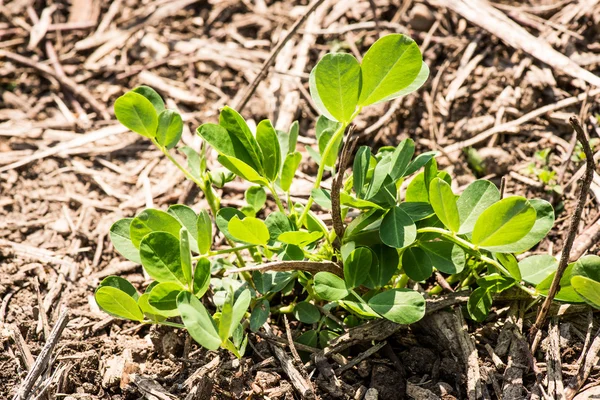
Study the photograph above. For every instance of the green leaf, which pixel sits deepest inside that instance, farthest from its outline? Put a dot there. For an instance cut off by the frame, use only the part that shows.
(330, 286)
(292, 253)
(417, 191)
(567, 292)
(272, 281)
(335, 84)
(419, 162)
(444, 204)
(277, 223)
(390, 65)
(137, 113)
(383, 266)
(299, 238)
(260, 314)
(543, 224)
(503, 223)
(357, 266)
(226, 143)
(308, 338)
(293, 137)
(535, 269)
(479, 304)
(152, 96)
(323, 142)
(475, 199)
(161, 258)
(510, 263)
(348, 200)
(237, 313)
(120, 238)
(163, 297)
(588, 289)
(256, 197)
(397, 229)
(417, 264)
(417, 211)
(360, 169)
(225, 319)
(170, 128)
(402, 306)
(446, 257)
(198, 321)
(201, 277)
(359, 308)
(122, 284)
(151, 220)
(496, 283)
(118, 303)
(187, 218)
(204, 229)
(588, 266)
(193, 161)
(242, 169)
(290, 165)
(249, 230)
(236, 126)
(322, 197)
(186, 256)
(269, 145)
(224, 215)
(148, 310)
(307, 313)
(386, 194)
(401, 158)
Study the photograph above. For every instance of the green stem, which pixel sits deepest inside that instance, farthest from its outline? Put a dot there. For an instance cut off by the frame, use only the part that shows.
(360, 299)
(326, 153)
(452, 236)
(277, 199)
(166, 323)
(231, 250)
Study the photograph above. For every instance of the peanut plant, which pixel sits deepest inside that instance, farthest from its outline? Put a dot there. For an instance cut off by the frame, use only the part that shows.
(395, 218)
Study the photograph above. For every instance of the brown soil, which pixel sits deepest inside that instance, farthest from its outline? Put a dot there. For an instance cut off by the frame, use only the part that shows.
(56, 208)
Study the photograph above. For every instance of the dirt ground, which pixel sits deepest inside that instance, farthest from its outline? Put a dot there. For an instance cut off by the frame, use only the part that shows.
(68, 170)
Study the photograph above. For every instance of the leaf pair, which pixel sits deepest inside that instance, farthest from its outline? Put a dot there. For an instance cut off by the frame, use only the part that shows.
(143, 111)
(203, 328)
(392, 67)
(255, 159)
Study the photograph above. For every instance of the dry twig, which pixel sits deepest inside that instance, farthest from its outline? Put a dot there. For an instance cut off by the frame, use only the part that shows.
(564, 259)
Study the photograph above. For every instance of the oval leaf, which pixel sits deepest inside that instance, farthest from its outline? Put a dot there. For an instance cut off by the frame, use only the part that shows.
(504, 222)
(307, 313)
(390, 65)
(587, 288)
(170, 128)
(444, 203)
(335, 86)
(383, 267)
(357, 266)
(402, 306)
(122, 284)
(417, 264)
(269, 145)
(137, 113)
(330, 287)
(260, 314)
(161, 258)
(249, 230)
(204, 228)
(535, 269)
(151, 220)
(299, 238)
(163, 297)
(198, 321)
(397, 229)
(152, 96)
(475, 199)
(201, 277)
(121, 240)
(118, 303)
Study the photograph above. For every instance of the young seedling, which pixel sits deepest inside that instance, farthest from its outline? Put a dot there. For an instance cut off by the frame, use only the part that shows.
(360, 275)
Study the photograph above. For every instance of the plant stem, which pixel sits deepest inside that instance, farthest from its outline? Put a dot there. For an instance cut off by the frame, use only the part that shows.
(358, 297)
(471, 246)
(326, 153)
(231, 250)
(277, 199)
(166, 323)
